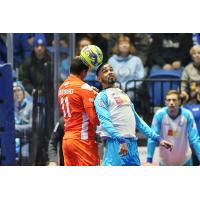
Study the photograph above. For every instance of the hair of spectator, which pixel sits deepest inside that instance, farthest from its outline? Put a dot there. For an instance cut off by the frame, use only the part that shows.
(194, 48)
(123, 39)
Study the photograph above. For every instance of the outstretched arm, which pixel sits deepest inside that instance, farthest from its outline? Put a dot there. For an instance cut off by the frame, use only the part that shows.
(144, 128)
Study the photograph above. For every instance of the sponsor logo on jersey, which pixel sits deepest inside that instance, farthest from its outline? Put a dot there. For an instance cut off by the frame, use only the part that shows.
(118, 100)
(68, 91)
(172, 133)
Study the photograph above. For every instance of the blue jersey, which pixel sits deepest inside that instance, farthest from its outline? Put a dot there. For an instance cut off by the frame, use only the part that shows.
(118, 118)
(181, 132)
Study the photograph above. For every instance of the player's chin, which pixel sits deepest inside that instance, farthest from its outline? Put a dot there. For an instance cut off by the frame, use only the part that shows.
(112, 80)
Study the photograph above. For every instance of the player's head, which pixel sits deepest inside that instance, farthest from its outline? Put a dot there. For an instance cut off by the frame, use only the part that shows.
(173, 100)
(105, 75)
(78, 68)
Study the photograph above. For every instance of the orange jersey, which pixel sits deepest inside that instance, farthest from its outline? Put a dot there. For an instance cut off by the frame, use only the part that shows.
(76, 103)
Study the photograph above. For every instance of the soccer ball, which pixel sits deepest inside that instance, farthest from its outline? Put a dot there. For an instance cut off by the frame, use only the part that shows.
(92, 56)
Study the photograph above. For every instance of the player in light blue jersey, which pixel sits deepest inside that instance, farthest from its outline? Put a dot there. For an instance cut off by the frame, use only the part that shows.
(118, 122)
(177, 125)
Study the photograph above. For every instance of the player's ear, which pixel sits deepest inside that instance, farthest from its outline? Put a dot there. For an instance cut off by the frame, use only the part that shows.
(99, 78)
(83, 73)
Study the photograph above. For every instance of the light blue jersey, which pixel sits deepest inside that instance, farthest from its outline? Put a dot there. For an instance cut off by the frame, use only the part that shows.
(118, 122)
(181, 132)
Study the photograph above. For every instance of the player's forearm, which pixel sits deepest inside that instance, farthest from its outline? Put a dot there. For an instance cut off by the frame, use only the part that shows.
(113, 133)
(151, 145)
(146, 130)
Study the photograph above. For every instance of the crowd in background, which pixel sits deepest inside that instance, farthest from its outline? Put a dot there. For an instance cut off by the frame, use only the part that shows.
(133, 56)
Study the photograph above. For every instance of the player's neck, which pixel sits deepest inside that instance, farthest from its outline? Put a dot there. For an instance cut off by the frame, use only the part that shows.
(174, 114)
(77, 76)
(108, 86)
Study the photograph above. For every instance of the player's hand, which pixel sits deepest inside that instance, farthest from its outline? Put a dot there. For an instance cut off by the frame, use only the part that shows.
(95, 90)
(147, 164)
(166, 144)
(52, 164)
(123, 149)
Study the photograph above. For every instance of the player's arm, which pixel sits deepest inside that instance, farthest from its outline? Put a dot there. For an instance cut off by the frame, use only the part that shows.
(101, 106)
(88, 103)
(151, 144)
(56, 137)
(193, 135)
(92, 115)
(144, 128)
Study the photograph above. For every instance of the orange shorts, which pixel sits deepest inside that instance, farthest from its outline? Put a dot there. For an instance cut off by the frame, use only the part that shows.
(80, 152)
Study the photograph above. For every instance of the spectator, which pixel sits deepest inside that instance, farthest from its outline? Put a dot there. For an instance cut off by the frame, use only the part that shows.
(142, 42)
(36, 70)
(175, 124)
(191, 75)
(37, 73)
(84, 41)
(126, 66)
(196, 98)
(23, 121)
(64, 69)
(169, 51)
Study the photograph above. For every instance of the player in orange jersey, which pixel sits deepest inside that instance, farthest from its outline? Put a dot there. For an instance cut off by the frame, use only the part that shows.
(76, 103)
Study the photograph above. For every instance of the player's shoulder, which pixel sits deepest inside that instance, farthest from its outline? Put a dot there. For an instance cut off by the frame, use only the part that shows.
(187, 113)
(101, 95)
(101, 99)
(161, 112)
(85, 86)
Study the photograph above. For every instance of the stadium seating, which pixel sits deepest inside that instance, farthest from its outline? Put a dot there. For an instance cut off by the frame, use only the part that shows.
(160, 82)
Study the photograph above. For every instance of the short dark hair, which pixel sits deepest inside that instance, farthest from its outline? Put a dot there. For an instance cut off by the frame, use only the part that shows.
(77, 66)
(98, 69)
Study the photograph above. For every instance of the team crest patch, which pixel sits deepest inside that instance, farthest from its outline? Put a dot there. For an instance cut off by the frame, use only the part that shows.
(101, 103)
(181, 123)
